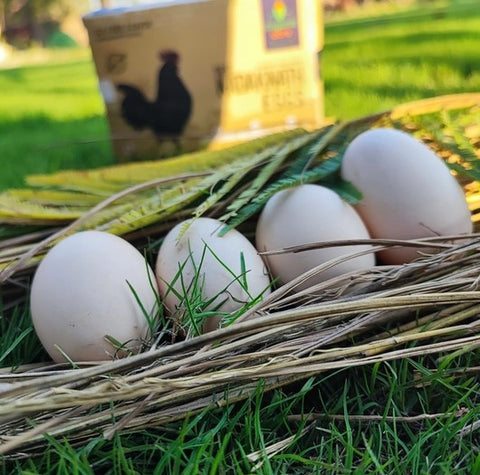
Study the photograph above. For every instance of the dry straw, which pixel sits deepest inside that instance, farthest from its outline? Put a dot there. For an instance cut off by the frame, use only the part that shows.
(429, 306)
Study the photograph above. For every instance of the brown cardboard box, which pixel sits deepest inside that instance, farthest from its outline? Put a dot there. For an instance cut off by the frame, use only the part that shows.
(183, 75)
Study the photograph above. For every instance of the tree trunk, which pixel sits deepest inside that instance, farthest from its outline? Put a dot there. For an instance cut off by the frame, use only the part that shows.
(2, 20)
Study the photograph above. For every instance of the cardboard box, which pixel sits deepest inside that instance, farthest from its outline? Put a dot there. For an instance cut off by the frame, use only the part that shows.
(183, 75)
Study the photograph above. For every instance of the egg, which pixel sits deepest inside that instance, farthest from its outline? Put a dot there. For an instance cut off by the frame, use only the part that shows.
(408, 191)
(309, 214)
(195, 264)
(5, 387)
(84, 290)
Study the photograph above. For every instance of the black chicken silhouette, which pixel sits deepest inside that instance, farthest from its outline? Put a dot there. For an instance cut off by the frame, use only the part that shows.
(168, 114)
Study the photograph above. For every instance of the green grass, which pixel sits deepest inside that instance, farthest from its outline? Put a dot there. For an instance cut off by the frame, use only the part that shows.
(52, 118)
(220, 441)
(400, 417)
(373, 64)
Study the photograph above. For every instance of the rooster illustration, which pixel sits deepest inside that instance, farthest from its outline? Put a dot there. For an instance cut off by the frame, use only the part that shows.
(168, 114)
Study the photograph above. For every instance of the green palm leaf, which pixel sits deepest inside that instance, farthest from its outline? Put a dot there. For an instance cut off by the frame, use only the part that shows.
(276, 160)
(255, 205)
(107, 180)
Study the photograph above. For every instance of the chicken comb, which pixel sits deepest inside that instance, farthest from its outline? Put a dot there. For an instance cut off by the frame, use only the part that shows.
(169, 56)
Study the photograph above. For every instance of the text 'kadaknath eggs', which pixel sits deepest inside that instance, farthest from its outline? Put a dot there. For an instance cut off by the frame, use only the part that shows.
(408, 192)
(89, 286)
(196, 266)
(309, 214)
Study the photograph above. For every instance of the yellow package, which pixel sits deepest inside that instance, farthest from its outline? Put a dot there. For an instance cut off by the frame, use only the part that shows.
(183, 75)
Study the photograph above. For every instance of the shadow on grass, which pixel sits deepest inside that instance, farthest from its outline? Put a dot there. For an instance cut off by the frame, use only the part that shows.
(38, 144)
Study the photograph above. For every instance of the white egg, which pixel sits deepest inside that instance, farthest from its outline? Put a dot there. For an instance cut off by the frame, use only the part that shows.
(222, 272)
(5, 387)
(408, 191)
(84, 290)
(304, 215)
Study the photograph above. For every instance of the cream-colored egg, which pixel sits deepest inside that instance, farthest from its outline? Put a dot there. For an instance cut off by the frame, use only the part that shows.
(408, 191)
(304, 215)
(222, 272)
(84, 290)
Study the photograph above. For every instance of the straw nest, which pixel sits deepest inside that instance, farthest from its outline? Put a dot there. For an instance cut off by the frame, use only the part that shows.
(389, 312)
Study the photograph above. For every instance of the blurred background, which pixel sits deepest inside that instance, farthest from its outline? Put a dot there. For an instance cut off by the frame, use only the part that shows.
(26, 24)
(377, 54)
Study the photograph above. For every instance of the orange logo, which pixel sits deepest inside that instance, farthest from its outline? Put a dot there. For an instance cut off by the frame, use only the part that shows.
(279, 11)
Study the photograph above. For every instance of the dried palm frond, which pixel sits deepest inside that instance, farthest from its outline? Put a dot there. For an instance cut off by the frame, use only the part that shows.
(388, 312)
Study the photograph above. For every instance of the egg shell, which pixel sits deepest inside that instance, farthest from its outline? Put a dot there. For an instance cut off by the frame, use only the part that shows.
(408, 191)
(80, 294)
(214, 262)
(308, 214)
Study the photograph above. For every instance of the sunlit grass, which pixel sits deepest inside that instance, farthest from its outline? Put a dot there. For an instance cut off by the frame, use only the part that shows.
(52, 118)
(373, 64)
(59, 91)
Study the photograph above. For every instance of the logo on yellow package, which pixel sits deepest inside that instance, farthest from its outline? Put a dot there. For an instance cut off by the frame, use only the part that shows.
(280, 23)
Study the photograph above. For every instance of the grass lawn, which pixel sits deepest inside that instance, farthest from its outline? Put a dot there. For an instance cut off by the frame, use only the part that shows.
(371, 64)
(51, 118)
(408, 416)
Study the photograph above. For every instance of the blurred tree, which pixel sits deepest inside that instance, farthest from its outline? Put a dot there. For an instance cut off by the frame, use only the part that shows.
(25, 21)
(2, 20)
